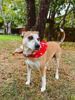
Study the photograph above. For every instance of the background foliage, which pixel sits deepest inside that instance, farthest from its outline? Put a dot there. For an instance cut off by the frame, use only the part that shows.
(15, 11)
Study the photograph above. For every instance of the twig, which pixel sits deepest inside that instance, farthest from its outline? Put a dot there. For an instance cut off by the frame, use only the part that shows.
(65, 16)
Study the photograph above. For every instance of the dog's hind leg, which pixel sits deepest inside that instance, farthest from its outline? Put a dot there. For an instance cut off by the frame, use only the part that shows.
(28, 76)
(57, 65)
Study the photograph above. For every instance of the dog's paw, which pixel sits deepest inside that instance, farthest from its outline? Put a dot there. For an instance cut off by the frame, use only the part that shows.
(43, 89)
(27, 83)
(57, 77)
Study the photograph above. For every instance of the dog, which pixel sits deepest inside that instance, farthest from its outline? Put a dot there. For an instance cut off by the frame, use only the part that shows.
(31, 45)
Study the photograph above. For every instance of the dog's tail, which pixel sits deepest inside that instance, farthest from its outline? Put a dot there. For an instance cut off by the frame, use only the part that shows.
(62, 32)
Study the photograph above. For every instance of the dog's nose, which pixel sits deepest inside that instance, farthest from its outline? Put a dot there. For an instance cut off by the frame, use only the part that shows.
(37, 46)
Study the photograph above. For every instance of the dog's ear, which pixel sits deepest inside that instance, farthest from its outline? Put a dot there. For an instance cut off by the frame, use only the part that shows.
(23, 33)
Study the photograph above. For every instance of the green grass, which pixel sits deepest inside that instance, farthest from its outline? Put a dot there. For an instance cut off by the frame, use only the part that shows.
(7, 42)
(10, 37)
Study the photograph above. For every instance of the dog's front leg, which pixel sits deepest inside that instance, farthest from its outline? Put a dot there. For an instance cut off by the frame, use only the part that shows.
(28, 76)
(43, 73)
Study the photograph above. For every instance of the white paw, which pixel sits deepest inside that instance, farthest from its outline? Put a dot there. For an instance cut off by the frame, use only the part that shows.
(57, 77)
(27, 83)
(43, 89)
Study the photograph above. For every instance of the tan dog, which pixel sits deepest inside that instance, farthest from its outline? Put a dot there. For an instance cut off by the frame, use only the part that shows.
(31, 43)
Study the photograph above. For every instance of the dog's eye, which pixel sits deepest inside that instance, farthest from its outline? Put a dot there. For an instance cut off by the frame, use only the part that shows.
(30, 37)
(38, 39)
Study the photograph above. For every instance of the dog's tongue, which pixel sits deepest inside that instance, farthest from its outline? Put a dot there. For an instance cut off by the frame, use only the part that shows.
(38, 53)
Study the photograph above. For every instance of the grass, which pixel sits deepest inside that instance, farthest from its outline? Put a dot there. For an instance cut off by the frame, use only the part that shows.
(9, 37)
(13, 73)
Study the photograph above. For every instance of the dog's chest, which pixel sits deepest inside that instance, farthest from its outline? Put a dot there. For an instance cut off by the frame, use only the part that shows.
(32, 64)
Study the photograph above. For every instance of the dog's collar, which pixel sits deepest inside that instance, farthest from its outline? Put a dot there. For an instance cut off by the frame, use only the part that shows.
(38, 53)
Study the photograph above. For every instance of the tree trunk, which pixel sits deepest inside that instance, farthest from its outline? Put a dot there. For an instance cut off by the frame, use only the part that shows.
(42, 17)
(51, 27)
(9, 29)
(51, 31)
(31, 14)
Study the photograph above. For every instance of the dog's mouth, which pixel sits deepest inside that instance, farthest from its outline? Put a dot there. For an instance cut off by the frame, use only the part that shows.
(33, 51)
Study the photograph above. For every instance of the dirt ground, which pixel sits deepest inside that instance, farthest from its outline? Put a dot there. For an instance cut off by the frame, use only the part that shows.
(13, 73)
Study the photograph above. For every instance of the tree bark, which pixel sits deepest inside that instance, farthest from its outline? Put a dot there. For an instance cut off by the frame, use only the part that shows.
(42, 17)
(51, 27)
(31, 14)
(9, 28)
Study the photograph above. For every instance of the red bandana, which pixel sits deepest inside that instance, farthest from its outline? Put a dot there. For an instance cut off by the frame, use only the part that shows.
(40, 52)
